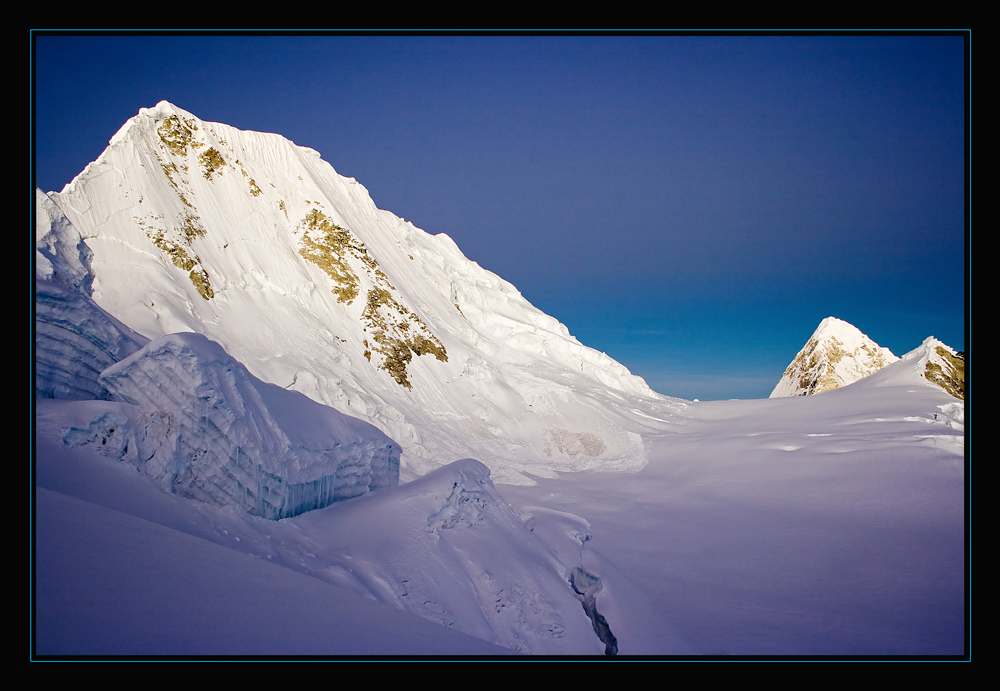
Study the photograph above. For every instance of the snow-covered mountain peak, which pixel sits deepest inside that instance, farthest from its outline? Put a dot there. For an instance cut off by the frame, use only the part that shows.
(835, 355)
(263, 247)
(831, 327)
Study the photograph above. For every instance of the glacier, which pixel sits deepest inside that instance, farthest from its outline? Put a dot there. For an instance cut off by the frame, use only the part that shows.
(193, 420)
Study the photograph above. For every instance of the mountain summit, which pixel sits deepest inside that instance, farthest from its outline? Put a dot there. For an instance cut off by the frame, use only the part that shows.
(261, 246)
(836, 355)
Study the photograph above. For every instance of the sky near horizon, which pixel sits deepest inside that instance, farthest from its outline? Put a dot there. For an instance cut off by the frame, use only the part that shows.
(692, 205)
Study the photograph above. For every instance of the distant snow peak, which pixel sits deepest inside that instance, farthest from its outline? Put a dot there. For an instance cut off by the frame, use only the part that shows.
(836, 355)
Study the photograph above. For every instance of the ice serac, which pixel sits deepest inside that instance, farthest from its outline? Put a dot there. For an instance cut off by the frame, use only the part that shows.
(207, 429)
(836, 355)
(74, 338)
(260, 245)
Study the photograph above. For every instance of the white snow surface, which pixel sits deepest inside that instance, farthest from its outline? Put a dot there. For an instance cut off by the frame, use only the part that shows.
(823, 525)
(796, 526)
(836, 355)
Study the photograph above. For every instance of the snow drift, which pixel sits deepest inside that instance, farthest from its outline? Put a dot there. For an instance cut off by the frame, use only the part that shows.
(449, 548)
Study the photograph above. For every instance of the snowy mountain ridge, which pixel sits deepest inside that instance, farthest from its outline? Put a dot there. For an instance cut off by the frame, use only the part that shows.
(261, 246)
(838, 354)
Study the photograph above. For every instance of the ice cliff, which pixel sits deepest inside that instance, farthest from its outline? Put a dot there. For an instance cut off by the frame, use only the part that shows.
(207, 429)
(74, 338)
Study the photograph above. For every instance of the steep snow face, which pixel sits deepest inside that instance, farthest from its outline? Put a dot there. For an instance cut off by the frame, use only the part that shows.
(260, 245)
(204, 428)
(837, 354)
(74, 338)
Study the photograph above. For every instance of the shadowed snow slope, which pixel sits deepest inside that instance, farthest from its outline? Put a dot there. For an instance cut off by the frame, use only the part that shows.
(448, 547)
(260, 245)
(124, 568)
(818, 525)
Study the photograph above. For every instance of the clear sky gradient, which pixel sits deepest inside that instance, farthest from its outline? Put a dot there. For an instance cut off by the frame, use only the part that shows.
(692, 205)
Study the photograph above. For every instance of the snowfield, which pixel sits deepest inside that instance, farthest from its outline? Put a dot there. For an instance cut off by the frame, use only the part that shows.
(826, 525)
(271, 419)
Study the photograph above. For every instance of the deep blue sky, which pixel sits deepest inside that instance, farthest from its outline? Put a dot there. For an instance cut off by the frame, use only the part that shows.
(692, 205)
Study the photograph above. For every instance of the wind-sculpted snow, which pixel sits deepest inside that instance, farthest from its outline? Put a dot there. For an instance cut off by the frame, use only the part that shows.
(207, 429)
(260, 245)
(74, 338)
